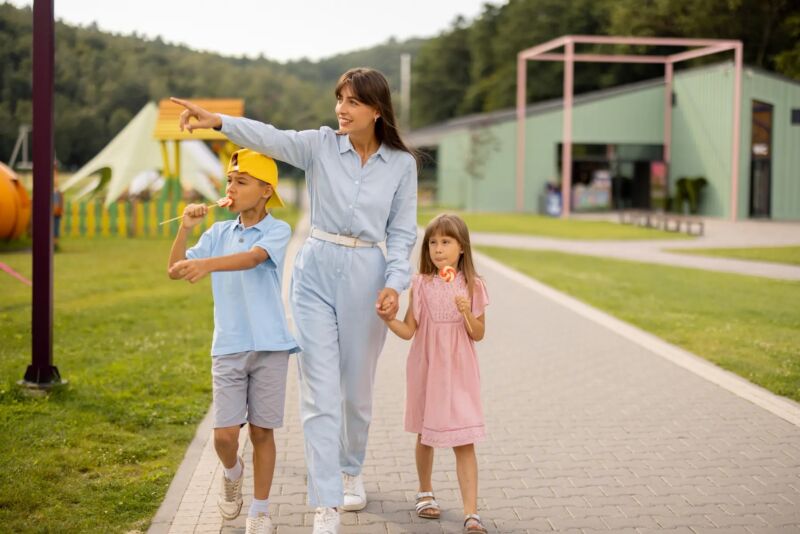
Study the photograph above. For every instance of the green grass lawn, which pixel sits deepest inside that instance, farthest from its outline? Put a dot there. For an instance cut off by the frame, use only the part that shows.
(542, 226)
(98, 455)
(24, 243)
(745, 324)
(789, 255)
(290, 214)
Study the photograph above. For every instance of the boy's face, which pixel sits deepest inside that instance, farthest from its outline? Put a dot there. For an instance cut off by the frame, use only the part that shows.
(444, 250)
(246, 192)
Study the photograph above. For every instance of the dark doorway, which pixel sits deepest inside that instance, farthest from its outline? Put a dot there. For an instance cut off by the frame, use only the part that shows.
(761, 160)
(615, 176)
(640, 190)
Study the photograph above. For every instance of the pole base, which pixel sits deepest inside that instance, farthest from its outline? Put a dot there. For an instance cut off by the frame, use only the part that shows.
(41, 378)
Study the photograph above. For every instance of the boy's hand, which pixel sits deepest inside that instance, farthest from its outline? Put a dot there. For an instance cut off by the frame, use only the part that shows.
(193, 214)
(203, 118)
(189, 270)
(463, 304)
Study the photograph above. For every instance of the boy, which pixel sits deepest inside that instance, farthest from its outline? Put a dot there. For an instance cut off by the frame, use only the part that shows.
(251, 344)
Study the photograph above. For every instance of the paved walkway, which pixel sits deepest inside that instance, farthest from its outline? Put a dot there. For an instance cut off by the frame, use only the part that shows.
(594, 426)
(718, 234)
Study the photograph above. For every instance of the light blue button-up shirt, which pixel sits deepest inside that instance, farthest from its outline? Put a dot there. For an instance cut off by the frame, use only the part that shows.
(375, 202)
(248, 309)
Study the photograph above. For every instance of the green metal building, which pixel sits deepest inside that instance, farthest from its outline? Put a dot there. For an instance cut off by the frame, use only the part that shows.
(618, 137)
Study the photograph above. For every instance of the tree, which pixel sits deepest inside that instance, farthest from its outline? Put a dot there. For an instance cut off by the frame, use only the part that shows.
(441, 76)
(788, 61)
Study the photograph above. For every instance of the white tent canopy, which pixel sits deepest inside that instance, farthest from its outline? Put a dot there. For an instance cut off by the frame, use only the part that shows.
(135, 151)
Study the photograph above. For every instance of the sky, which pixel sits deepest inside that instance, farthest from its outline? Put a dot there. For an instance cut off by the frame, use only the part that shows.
(283, 31)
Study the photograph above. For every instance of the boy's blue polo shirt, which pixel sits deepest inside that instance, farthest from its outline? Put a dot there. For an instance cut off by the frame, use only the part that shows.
(248, 310)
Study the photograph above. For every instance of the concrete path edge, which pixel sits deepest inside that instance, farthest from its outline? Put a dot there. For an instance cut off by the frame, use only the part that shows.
(177, 488)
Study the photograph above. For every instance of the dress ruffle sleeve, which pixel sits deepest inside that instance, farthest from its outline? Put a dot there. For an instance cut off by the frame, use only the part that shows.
(480, 299)
(416, 283)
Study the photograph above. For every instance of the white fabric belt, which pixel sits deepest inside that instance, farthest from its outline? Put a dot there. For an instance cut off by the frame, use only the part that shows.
(344, 240)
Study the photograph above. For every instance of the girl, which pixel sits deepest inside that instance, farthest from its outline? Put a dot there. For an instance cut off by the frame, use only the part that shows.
(443, 404)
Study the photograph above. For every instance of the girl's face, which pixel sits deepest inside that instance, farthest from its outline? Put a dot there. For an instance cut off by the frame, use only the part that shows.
(444, 250)
(354, 116)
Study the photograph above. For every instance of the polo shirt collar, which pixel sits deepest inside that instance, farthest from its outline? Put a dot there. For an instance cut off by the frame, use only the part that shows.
(261, 225)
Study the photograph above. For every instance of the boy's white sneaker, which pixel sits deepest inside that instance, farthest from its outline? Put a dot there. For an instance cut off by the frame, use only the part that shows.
(326, 521)
(355, 497)
(229, 501)
(260, 524)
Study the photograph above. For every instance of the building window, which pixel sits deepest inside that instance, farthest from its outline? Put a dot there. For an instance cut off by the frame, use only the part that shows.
(796, 117)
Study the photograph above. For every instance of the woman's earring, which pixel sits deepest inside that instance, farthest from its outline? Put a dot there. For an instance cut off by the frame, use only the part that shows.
(376, 118)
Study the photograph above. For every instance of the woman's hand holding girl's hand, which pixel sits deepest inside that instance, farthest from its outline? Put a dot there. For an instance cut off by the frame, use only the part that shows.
(203, 118)
(193, 214)
(388, 304)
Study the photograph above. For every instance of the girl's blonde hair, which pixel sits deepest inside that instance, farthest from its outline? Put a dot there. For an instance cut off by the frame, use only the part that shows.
(453, 226)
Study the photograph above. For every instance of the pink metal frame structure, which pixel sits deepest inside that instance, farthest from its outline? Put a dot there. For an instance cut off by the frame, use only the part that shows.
(543, 52)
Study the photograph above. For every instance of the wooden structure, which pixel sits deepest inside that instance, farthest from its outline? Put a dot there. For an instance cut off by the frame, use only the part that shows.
(167, 129)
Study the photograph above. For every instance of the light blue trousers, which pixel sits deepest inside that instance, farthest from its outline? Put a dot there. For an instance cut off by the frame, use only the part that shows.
(333, 294)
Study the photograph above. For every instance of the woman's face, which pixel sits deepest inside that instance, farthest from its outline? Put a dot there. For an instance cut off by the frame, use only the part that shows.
(354, 116)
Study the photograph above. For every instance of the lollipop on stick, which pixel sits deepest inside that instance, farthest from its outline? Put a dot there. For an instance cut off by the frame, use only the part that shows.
(448, 274)
(224, 202)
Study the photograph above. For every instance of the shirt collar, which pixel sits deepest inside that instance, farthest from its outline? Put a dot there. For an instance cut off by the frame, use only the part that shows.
(345, 145)
(383, 152)
(261, 225)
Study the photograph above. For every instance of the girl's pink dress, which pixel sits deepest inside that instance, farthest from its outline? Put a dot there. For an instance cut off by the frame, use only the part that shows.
(443, 392)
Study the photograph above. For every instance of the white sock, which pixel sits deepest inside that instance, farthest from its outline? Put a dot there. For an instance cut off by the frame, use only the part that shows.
(258, 506)
(235, 472)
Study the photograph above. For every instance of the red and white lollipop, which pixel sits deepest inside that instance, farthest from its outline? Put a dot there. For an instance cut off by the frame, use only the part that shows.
(223, 202)
(448, 274)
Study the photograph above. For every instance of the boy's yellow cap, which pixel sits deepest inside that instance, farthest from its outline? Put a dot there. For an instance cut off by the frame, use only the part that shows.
(259, 167)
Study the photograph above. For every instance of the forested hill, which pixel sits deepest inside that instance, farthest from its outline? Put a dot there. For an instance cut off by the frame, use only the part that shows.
(102, 80)
(384, 57)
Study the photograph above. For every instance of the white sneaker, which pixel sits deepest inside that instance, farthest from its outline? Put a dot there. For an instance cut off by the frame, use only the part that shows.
(355, 497)
(259, 525)
(326, 521)
(229, 501)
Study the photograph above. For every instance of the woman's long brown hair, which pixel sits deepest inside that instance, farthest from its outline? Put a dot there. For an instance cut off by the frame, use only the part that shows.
(370, 87)
(447, 224)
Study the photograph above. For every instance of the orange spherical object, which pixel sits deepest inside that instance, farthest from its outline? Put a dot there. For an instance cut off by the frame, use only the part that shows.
(15, 205)
(23, 211)
(447, 273)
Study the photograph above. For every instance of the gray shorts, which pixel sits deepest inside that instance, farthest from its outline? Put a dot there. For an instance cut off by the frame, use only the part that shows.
(249, 387)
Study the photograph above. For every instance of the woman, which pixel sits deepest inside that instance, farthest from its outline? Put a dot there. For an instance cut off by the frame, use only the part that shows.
(362, 181)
